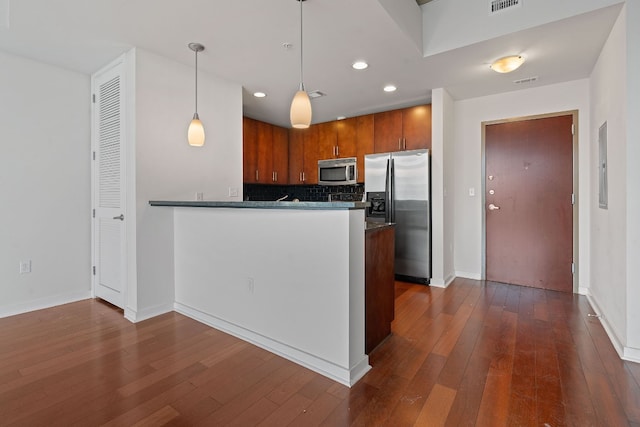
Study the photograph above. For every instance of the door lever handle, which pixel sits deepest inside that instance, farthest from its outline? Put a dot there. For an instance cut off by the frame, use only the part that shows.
(121, 217)
(493, 207)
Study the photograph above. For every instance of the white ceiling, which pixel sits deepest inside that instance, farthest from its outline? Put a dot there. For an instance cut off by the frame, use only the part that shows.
(244, 44)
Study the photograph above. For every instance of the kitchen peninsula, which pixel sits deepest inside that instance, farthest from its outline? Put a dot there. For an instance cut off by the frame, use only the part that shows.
(286, 276)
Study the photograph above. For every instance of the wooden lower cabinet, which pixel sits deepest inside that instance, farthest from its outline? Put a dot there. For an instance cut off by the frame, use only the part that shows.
(379, 293)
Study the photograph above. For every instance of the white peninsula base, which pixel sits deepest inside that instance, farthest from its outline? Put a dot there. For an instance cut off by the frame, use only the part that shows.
(288, 280)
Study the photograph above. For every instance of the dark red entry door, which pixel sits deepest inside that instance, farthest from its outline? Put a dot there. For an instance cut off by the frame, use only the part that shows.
(529, 211)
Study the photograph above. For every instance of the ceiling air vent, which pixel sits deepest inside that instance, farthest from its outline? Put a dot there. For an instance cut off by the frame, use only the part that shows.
(496, 6)
(525, 81)
(316, 94)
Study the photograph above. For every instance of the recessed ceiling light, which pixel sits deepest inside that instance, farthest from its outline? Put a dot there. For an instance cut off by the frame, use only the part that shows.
(259, 94)
(360, 65)
(390, 88)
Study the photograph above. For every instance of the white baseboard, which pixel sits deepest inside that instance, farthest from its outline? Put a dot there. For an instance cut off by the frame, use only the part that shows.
(442, 283)
(42, 303)
(467, 275)
(146, 313)
(345, 376)
(582, 290)
(613, 337)
(632, 354)
(437, 283)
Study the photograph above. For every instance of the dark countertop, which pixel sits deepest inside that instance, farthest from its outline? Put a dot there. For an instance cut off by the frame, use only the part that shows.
(263, 205)
(370, 226)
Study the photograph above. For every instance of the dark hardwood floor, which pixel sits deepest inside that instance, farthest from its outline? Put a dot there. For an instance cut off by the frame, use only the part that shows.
(476, 353)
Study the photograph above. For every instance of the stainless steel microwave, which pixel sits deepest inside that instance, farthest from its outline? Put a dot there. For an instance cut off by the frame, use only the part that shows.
(338, 171)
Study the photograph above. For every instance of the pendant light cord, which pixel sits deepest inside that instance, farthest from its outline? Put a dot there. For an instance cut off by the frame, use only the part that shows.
(301, 49)
(196, 82)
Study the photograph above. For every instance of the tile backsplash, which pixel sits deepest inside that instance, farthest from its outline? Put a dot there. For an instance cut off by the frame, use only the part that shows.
(305, 193)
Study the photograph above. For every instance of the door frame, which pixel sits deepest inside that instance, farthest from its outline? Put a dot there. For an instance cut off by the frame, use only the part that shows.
(483, 167)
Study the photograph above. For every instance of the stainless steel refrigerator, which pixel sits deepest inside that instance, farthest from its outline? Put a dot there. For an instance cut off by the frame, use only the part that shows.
(398, 187)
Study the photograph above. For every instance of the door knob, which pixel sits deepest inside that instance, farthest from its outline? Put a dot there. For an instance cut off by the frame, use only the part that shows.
(121, 217)
(493, 207)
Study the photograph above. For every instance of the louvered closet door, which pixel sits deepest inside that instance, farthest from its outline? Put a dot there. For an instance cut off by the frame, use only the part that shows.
(108, 191)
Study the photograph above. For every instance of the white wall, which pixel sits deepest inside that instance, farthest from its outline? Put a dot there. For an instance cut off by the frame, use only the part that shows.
(167, 168)
(467, 164)
(44, 184)
(442, 183)
(633, 180)
(615, 289)
(452, 24)
(608, 230)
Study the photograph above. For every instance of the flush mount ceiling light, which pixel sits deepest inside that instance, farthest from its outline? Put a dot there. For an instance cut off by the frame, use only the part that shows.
(259, 94)
(195, 134)
(300, 113)
(507, 64)
(359, 65)
(390, 88)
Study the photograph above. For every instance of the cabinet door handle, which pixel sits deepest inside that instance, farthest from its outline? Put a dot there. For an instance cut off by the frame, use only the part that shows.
(399, 143)
(275, 176)
(300, 177)
(257, 176)
(405, 143)
(303, 177)
(337, 151)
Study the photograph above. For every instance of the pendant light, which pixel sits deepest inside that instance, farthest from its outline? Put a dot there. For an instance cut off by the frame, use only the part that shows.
(300, 114)
(195, 134)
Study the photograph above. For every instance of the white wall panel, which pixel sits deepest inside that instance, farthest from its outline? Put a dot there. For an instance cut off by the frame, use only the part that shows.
(45, 184)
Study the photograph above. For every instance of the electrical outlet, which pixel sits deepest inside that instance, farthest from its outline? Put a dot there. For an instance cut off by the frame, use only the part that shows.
(233, 192)
(25, 267)
(199, 196)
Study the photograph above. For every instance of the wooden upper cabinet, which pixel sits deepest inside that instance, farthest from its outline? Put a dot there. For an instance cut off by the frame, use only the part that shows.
(265, 152)
(296, 155)
(326, 138)
(249, 150)
(387, 131)
(404, 129)
(311, 156)
(364, 141)
(303, 156)
(276, 155)
(265, 149)
(346, 141)
(280, 155)
(416, 127)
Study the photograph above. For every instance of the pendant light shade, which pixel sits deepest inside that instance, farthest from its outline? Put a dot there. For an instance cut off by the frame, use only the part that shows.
(300, 113)
(300, 110)
(195, 134)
